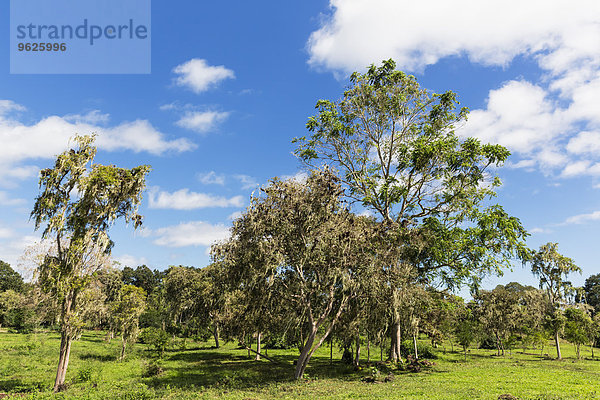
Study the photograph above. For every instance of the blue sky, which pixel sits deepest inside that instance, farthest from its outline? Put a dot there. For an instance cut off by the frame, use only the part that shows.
(233, 82)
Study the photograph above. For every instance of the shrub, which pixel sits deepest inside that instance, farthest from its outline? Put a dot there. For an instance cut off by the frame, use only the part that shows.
(153, 368)
(156, 338)
(424, 350)
(85, 374)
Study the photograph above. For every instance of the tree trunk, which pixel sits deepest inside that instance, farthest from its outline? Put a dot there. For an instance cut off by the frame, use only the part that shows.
(415, 345)
(577, 346)
(63, 361)
(258, 336)
(395, 354)
(302, 361)
(216, 335)
(368, 348)
(331, 351)
(498, 343)
(124, 344)
(556, 340)
(357, 356)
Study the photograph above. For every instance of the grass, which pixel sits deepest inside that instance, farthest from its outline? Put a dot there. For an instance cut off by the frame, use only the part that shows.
(28, 363)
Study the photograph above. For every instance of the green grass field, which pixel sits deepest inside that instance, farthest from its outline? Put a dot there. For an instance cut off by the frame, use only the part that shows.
(199, 371)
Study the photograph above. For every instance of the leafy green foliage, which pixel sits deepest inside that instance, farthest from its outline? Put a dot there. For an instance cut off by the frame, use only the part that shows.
(9, 278)
(294, 259)
(156, 338)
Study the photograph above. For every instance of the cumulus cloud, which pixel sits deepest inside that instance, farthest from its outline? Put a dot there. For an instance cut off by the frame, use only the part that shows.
(184, 199)
(194, 233)
(22, 142)
(198, 76)
(201, 121)
(416, 34)
(518, 116)
(552, 123)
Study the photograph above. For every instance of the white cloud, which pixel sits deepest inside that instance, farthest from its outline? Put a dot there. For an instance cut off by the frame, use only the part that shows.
(7, 106)
(50, 136)
(582, 218)
(576, 168)
(538, 121)
(183, 199)
(194, 233)
(518, 116)
(201, 121)
(198, 76)
(417, 34)
(127, 260)
(211, 178)
(585, 142)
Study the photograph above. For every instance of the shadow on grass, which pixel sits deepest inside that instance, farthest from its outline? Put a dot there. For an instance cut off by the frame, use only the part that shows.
(210, 368)
(98, 357)
(18, 386)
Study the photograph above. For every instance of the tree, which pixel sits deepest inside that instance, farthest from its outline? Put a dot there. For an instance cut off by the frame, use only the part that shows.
(466, 327)
(126, 311)
(181, 286)
(9, 278)
(10, 307)
(211, 299)
(592, 291)
(142, 277)
(552, 269)
(579, 327)
(498, 311)
(398, 155)
(297, 250)
(78, 203)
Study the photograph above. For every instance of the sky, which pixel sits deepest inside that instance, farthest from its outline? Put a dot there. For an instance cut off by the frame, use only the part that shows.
(233, 82)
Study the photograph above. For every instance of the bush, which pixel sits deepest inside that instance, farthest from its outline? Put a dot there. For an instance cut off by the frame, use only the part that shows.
(153, 368)
(424, 350)
(155, 338)
(85, 374)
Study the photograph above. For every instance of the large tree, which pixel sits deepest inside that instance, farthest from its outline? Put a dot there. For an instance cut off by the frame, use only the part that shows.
(9, 278)
(553, 269)
(395, 147)
(592, 291)
(78, 202)
(299, 251)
